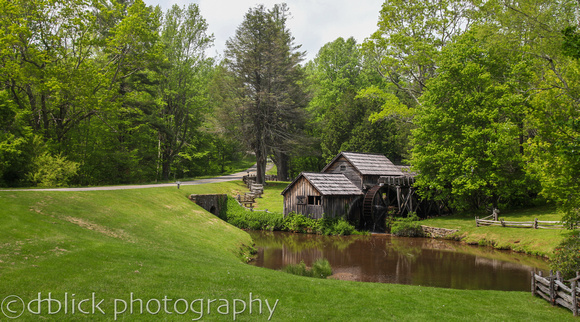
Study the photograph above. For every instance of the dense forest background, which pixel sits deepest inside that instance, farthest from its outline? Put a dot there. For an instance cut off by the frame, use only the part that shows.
(480, 97)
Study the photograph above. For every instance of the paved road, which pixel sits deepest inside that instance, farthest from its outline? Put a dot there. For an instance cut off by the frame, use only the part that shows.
(229, 177)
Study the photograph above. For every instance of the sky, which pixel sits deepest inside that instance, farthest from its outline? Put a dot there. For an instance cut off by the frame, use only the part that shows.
(313, 23)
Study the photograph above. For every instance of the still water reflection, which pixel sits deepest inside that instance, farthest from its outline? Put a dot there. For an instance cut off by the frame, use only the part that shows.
(387, 259)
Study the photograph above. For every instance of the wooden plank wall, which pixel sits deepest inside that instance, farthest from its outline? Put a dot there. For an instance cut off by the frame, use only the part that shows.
(350, 171)
(300, 188)
(371, 181)
(332, 206)
(336, 206)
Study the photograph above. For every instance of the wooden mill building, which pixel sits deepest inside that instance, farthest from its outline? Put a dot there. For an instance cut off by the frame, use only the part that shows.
(361, 187)
(315, 194)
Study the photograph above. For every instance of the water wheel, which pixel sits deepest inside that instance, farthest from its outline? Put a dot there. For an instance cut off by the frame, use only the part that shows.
(374, 209)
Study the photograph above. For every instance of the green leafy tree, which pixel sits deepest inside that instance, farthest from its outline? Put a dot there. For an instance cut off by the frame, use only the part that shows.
(467, 145)
(15, 143)
(543, 32)
(341, 116)
(182, 88)
(406, 47)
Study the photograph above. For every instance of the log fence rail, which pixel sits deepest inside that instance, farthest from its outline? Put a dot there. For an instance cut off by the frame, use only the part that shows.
(554, 290)
(536, 224)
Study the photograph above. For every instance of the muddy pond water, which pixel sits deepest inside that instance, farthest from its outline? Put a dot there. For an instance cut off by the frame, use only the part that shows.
(389, 259)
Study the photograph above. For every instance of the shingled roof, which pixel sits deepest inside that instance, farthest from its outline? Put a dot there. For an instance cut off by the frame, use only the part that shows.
(329, 184)
(369, 164)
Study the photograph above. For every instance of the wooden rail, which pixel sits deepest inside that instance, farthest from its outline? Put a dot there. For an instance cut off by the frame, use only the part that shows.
(536, 224)
(247, 200)
(554, 290)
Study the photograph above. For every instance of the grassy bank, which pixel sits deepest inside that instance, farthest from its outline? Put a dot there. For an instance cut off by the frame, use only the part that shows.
(159, 246)
(532, 241)
(272, 200)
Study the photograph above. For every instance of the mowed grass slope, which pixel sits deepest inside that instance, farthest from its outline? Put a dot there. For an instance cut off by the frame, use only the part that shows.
(156, 244)
(526, 240)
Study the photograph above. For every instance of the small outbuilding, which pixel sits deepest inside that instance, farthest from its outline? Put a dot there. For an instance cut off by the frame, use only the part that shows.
(315, 194)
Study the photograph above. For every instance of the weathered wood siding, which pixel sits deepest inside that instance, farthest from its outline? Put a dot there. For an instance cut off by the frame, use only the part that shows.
(301, 188)
(349, 171)
(336, 206)
(331, 206)
(370, 181)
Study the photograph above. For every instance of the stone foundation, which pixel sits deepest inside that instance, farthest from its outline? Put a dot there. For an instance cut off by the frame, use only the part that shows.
(435, 232)
(212, 203)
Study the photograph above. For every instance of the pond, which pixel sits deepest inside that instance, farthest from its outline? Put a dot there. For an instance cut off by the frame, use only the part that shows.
(387, 259)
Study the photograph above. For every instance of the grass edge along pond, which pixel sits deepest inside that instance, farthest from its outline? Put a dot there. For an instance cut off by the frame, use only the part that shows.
(541, 242)
(154, 244)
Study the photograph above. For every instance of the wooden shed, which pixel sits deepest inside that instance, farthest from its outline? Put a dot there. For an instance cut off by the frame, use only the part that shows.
(363, 169)
(315, 194)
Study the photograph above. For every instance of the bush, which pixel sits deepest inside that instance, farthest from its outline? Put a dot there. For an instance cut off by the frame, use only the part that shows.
(299, 224)
(258, 220)
(407, 227)
(298, 269)
(342, 228)
(52, 171)
(321, 269)
(566, 257)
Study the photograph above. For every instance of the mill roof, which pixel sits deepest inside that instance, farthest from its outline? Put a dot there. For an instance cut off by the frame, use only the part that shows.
(369, 164)
(328, 184)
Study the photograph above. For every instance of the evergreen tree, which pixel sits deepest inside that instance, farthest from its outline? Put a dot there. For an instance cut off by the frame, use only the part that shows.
(263, 63)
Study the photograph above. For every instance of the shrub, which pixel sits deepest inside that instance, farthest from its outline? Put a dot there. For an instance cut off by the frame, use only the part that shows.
(52, 171)
(566, 257)
(298, 269)
(407, 227)
(258, 220)
(321, 269)
(342, 228)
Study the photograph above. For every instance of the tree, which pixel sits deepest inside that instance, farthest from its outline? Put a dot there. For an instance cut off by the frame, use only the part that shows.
(467, 144)
(263, 62)
(406, 46)
(182, 88)
(341, 116)
(543, 33)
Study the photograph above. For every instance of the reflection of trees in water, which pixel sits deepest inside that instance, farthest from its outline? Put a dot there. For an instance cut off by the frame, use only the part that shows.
(300, 242)
(397, 260)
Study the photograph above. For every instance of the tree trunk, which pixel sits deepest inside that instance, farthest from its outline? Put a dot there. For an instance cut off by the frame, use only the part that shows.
(167, 157)
(260, 166)
(282, 166)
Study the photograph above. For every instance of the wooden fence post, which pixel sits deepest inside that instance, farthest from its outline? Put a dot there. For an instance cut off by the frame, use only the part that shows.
(502, 223)
(476, 221)
(535, 223)
(533, 283)
(574, 299)
(552, 289)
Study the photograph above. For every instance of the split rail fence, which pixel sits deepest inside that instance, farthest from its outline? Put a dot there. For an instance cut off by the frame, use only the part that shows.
(554, 290)
(541, 224)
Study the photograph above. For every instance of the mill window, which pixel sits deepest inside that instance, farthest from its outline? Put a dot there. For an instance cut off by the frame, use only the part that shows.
(315, 200)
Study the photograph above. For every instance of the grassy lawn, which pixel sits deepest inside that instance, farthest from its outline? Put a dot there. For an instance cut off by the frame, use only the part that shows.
(527, 240)
(160, 248)
(272, 199)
